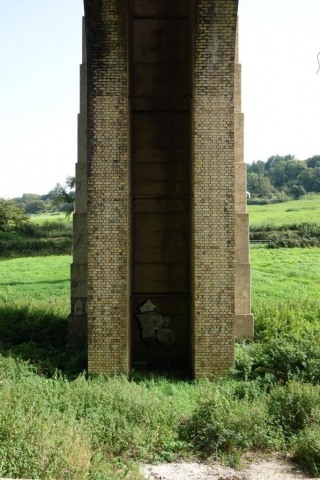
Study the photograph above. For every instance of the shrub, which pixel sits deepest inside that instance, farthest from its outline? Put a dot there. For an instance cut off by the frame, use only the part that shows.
(306, 448)
(27, 238)
(18, 245)
(288, 236)
(297, 191)
(287, 341)
(11, 216)
(294, 406)
(222, 423)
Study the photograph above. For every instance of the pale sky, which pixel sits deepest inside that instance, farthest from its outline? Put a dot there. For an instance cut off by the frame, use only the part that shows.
(40, 53)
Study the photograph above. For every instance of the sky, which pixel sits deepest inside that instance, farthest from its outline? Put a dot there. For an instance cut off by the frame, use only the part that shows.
(40, 54)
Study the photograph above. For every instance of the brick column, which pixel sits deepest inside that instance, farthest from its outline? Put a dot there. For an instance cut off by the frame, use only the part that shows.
(213, 183)
(108, 186)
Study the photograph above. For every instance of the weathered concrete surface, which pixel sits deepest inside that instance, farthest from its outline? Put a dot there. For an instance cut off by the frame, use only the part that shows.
(79, 271)
(244, 324)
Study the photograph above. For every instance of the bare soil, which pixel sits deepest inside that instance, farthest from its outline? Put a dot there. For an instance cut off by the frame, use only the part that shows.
(274, 468)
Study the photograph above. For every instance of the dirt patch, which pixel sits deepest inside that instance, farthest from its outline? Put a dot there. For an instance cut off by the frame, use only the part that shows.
(271, 469)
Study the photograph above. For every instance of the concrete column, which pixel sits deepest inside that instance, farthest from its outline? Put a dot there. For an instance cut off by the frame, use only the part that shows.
(78, 317)
(243, 316)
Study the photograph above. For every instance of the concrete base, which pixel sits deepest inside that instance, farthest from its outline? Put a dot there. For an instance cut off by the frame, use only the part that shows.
(77, 330)
(244, 326)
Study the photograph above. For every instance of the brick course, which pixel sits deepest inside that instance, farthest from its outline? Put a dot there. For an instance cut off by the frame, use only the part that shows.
(213, 178)
(108, 184)
(104, 205)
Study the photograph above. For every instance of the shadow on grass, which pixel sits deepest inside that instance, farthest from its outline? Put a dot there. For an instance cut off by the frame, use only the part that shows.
(40, 337)
(48, 282)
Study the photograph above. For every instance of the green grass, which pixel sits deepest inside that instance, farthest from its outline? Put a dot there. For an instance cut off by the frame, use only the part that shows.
(280, 274)
(276, 274)
(306, 209)
(55, 425)
(48, 217)
(37, 279)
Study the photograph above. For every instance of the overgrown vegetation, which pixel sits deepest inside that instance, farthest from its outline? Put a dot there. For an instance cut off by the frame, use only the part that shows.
(62, 424)
(28, 238)
(288, 236)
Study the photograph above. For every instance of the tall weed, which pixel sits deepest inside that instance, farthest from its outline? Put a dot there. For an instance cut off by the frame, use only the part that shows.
(287, 343)
(294, 406)
(224, 424)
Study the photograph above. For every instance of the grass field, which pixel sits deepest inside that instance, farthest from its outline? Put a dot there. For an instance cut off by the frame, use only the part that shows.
(278, 274)
(57, 422)
(45, 217)
(285, 273)
(40, 282)
(35, 277)
(306, 209)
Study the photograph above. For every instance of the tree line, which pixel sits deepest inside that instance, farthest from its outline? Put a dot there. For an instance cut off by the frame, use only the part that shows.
(281, 177)
(59, 199)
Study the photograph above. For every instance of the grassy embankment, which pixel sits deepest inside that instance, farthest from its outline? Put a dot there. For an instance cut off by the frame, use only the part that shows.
(55, 426)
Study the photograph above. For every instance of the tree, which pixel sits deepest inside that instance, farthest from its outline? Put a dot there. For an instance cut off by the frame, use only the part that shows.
(306, 179)
(297, 191)
(272, 161)
(64, 196)
(29, 197)
(313, 161)
(257, 167)
(293, 168)
(316, 179)
(310, 179)
(259, 185)
(278, 174)
(37, 206)
(11, 216)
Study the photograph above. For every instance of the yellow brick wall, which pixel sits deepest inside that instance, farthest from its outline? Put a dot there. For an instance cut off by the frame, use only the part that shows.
(108, 186)
(213, 177)
(213, 225)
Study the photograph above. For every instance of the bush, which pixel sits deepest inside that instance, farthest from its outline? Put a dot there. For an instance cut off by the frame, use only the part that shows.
(11, 216)
(297, 191)
(223, 423)
(87, 429)
(287, 343)
(306, 448)
(31, 239)
(294, 406)
(289, 236)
